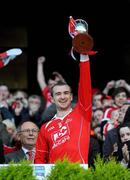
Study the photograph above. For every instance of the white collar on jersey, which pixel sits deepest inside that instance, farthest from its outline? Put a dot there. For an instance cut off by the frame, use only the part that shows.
(56, 117)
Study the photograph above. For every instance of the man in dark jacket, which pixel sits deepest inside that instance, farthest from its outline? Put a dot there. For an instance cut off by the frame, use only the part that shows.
(2, 160)
(28, 132)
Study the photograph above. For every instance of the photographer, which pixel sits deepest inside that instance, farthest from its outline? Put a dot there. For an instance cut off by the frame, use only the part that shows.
(19, 107)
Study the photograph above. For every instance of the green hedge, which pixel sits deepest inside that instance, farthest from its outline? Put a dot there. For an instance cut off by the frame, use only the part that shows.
(22, 171)
(110, 170)
(64, 170)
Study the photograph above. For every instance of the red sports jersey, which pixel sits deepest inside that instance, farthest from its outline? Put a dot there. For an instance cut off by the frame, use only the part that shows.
(69, 137)
(47, 95)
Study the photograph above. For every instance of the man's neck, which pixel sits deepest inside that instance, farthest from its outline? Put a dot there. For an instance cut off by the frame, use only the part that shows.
(28, 147)
(62, 113)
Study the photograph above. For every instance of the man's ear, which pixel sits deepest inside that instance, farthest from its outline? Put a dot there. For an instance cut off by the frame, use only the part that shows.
(18, 136)
(52, 99)
(71, 96)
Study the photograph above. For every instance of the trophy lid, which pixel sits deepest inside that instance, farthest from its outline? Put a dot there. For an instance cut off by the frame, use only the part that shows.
(81, 25)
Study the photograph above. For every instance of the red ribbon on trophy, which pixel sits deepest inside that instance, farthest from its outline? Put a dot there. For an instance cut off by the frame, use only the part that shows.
(82, 42)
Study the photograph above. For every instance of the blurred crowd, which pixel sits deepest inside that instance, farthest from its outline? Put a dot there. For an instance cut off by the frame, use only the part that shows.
(22, 115)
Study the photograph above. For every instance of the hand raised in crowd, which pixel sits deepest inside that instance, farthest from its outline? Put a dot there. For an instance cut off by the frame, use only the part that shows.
(58, 76)
(115, 148)
(41, 59)
(18, 108)
(111, 84)
(120, 83)
(125, 153)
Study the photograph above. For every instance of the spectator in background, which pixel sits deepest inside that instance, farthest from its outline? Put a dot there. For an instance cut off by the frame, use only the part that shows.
(50, 109)
(97, 117)
(4, 90)
(124, 144)
(22, 96)
(116, 84)
(46, 87)
(112, 139)
(10, 126)
(28, 132)
(94, 150)
(4, 135)
(96, 99)
(2, 159)
(107, 102)
(18, 111)
(4, 103)
(112, 123)
(120, 96)
(35, 109)
(110, 85)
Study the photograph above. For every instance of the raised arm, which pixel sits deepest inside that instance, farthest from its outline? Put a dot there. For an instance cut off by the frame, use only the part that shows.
(122, 83)
(40, 72)
(84, 91)
(109, 86)
(58, 76)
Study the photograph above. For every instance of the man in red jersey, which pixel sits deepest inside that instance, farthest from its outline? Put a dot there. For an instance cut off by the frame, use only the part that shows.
(46, 87)
(67, 134)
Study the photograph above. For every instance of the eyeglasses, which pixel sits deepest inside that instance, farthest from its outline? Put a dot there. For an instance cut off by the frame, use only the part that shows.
(34, 102)
(28, 131)
(19, 98)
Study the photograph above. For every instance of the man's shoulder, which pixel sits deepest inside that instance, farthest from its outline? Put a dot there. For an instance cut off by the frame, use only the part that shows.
(15, 156)
(45, 125)
(15, 153)
(112, 132)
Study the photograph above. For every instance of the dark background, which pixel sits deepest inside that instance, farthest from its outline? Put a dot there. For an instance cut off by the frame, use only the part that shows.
(47, 29)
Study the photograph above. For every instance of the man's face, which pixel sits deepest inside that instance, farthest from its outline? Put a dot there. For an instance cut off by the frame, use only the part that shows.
(114, 116)
(97, 100)
(125, 134)
(122, 112)
(62, 97)
(4, 92)
(34, 104)
(98, 115)
(28, 134)
(107, 103)
(120, 99)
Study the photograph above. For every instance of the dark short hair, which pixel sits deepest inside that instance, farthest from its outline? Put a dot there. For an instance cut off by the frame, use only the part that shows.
(126, 124)
(59, 83)
(119, 90)
(98, 109)
(34, 96)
